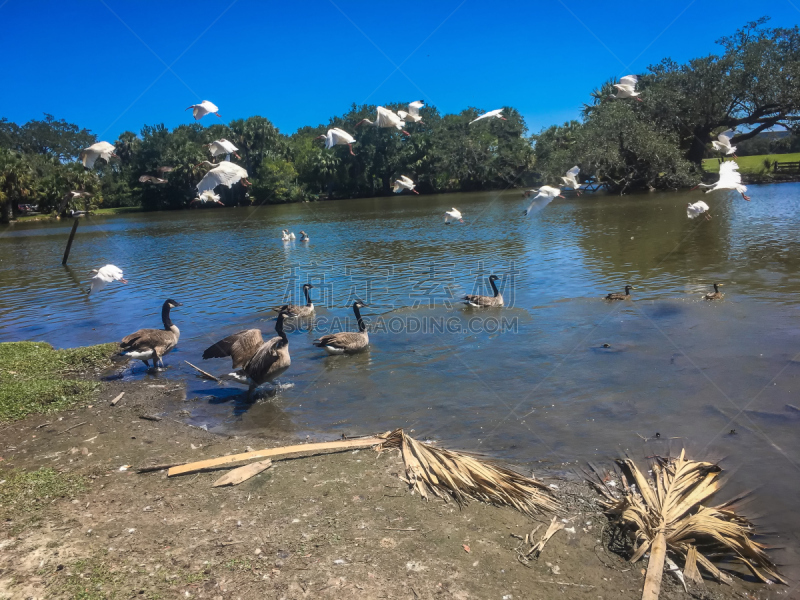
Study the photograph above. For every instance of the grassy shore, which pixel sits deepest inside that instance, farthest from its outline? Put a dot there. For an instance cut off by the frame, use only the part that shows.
(752, 165)
(35, 378)
(120, 210)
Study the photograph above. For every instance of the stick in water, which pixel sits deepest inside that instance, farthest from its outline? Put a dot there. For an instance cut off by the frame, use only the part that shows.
(203, 373)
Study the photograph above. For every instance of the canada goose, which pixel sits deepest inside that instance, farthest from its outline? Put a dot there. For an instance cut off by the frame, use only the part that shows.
(485, 301)
(346, 342)
(304, 236)
(148, 344)
(618, 296)
(256, 360)
(716, 294)
(296, 310)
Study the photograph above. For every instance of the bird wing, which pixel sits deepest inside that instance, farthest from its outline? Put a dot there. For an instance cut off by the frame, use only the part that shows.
(97, 284)
(110, 271)
(407, 181)
(386, 118)
(729, 174)
(550, 191)
(340, 136)
(413, 107)
(227, 146)
(225, 173)
(539, 202)
(343, 340)
(573, 172)
(455, 213)
(240, 346)
(629, 80)
(402, 114)
(265, 356)
(209, 106)
(491, 113)
(725, 137)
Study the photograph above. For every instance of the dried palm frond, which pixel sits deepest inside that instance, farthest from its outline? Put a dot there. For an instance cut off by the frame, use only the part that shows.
(459, 476)
(665, 512)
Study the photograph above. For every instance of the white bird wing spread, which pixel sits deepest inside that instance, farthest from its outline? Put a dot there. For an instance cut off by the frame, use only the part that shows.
(573, 172)
(455, 213)
(402, 114)
(225, 173)
(729, 176)
(725, 137)
(629, 80)
(340, 136)
(491, 113)
(111, 271)
(407, 180)
(209, 106)
(414, 107)
(222, 147)
(387, 118)
(539, 202)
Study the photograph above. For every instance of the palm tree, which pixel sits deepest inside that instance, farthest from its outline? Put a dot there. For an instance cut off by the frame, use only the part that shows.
(16, 183)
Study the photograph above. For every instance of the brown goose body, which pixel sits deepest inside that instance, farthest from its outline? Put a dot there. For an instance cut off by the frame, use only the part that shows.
(716, 294)
(258, 360)
(296, 310)
(486, 301)
(620, 296)
(147, 344)
(346, 342)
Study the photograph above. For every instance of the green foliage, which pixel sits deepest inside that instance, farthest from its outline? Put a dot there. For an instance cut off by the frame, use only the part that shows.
(35, 378)
(276, 182)
(27, 491)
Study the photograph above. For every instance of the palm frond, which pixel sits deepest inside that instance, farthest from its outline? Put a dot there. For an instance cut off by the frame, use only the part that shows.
(666, 511)
(461, 477)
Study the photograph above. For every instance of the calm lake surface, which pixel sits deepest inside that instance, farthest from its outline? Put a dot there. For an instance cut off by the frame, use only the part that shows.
(541, 390)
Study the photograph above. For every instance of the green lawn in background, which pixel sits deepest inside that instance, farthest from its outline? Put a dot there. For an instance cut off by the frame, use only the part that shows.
(752, 164)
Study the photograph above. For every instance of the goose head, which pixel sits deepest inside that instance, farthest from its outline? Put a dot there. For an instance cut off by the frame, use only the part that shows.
(172, 303)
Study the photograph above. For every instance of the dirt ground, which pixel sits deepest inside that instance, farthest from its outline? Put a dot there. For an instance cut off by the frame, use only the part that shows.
(332, 526)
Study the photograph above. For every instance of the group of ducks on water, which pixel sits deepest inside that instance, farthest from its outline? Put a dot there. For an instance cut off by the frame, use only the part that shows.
(288, 236)
(257, 361)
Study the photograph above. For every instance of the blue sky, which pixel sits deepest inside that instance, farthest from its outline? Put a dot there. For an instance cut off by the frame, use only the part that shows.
(103, 63)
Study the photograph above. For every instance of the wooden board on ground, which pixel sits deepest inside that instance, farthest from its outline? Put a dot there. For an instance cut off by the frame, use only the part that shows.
(273, 452)
(117, 399)
(244, 473)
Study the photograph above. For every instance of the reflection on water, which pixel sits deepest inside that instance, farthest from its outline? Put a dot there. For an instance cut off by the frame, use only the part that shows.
(544, 389)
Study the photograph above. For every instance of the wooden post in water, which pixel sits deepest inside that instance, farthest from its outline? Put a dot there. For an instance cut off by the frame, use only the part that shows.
(69, 241)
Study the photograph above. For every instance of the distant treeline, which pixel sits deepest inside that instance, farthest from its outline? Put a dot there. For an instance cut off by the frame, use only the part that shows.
(752, 85)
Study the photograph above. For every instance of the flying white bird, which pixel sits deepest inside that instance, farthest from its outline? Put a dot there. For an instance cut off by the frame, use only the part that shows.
(386, 118)
(201, 110)
(102, 150)
(492, 113)
(543, 197)
(207, 197)
(452, 214)
(698, 208)
(71, 196)
(221, 147)
(626, 88)
(151, 179)
(729, 179)
(404, 183)
(724, 143)
(412, 116)
(571, 179)
(104, 276)
(225, 173)
(337, 137)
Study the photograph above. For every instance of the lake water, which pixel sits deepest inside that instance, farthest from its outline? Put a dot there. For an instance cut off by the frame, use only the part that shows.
(531, 383)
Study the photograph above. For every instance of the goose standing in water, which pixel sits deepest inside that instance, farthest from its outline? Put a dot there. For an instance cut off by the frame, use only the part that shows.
(296, 310)
(304, 236)
(153, 344)
(486, 301)
(257, 361)
(619, 296)
(716, 294)
(104, 276)
(346, 342)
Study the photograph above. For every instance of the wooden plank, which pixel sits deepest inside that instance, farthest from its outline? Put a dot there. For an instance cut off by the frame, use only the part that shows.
(272, 452)
(244, 473)
(117, 399)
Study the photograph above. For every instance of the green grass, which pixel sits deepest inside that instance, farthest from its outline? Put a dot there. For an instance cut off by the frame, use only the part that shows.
(35, 378)
(92, 579)
(752, 164)
(27, 491)
(120, 210)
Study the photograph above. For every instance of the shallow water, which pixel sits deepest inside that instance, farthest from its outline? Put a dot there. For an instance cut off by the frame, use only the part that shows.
(543, 389)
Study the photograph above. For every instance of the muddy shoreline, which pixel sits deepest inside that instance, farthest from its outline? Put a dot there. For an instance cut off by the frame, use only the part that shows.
(311, 527)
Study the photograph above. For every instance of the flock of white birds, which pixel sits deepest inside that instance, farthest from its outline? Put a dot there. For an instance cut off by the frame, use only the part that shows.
(226, 173)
